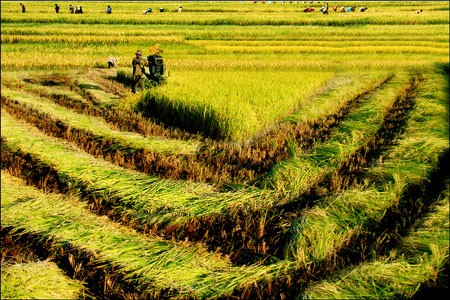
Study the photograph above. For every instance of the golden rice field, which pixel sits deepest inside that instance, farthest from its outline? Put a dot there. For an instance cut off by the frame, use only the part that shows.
(289, 155)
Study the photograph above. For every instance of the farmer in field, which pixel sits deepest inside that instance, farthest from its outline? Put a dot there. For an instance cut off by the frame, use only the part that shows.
(139, 63)
(56, 8)
(324, 9)
(23, 7)
(108, 9)
(112, 62)
(79, 10)
(71, 9)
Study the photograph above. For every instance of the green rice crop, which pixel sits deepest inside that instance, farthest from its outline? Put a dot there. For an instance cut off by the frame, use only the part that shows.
(231, 109)
(153, 263)
(341, 89)
(218, 14)
(328, 227)
(249, 66)
(38, 280)
(99, 127)
(146, 199)
(301, 172)
(418, 260)
(428, 132)
(215, 42)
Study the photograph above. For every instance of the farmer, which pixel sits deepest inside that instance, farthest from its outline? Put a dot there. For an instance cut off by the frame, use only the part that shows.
(56, 8)
(108, 9)
(71, 9)
(112, 62)
(139, 63)
(23, 7)
(324, 9)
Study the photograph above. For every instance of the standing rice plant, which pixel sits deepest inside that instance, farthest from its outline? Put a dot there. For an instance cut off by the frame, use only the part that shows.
(225, 106)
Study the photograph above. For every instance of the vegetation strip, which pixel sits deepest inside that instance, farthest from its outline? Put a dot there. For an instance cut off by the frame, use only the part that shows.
(147, 203)
(418, 262)
(262, 154)
(339, 229)
(38, 280)
(151, 266)
(168, 166)
(226, 222)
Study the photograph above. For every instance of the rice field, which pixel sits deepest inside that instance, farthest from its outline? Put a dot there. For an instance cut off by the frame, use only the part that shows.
(289, 155)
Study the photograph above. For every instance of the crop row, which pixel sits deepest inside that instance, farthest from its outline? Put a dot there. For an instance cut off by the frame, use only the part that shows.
(417, 270)
(285, 36)
(116, 261)
(199, 228)
(352, 44)
(384, 201)
(247, 19)
(222, 161)
(38, 280)
(77, 97)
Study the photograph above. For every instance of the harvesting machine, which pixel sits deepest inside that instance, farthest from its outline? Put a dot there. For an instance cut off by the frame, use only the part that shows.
(157, 68)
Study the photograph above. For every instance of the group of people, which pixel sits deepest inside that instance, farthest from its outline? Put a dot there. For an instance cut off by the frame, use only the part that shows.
(161, 9)
(324, 9)
(77, 10)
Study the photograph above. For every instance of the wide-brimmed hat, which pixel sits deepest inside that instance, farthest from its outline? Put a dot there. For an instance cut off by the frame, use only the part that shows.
(139, 52)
